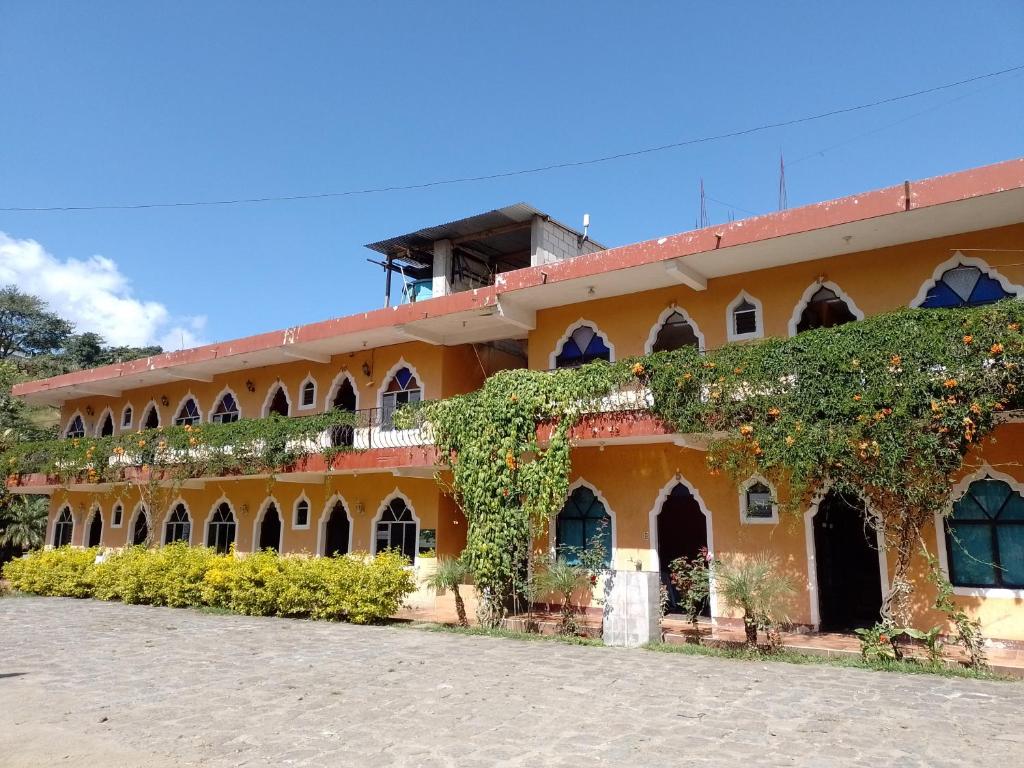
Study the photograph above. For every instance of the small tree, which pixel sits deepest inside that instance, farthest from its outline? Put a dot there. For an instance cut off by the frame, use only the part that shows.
(23, 523)
(756, 587)
(563, 578)
(450, 574)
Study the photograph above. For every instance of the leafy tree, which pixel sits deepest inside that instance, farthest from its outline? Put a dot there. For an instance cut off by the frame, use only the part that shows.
(27, 327)
(23, 522)
(450, 574)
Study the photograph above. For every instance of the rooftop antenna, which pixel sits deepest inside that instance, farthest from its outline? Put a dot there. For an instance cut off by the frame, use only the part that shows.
(702, 217)
(783, 198)
(581, 239)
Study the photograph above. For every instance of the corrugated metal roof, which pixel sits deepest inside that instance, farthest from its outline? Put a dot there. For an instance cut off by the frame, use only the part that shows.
(423, 239)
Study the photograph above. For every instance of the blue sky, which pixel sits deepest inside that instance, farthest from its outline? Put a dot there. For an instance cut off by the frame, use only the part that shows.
(117, 102)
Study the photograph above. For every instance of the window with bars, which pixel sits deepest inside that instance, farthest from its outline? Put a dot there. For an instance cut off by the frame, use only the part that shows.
(396, 529)
(307, 396)
(744, 319)
(76, 428)
(188, 414)
(758, 502)
(220, 533)
(985, 537)
(582, 520)
(964, 286)
(226, 411)
(179, 525)
(584, 345)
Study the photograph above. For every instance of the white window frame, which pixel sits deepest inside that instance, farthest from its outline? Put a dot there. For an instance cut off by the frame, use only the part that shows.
(99, 422)
(71, 420)
(666, 313)
(968, 261)
(271, 390)
(181, 404)
(167, 519)
(217, 401)
(730, 326)
(745, 518)
(126, 427)
(295, 512)
(395, 494)
(113, 522)
(302, 389)
(553, 356)
(809, 292)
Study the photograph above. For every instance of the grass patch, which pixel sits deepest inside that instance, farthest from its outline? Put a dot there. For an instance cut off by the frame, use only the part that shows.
(853, 662)
(509, 634)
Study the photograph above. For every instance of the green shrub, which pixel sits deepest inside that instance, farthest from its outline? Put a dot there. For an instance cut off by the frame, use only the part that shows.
(64, 572)
(355, 588)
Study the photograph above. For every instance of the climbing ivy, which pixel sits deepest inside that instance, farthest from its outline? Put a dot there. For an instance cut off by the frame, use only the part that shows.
(884, 408)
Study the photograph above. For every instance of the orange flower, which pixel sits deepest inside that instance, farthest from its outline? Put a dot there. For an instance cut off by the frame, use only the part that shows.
(709, 364)
(757, 448)
(975, 409)
(895, 360)
(510, 460)
(774, 412)
(857, 398)
(996, 349)
(142, 443)
(687, 376)
(737, 369)
(968, 339)
(513, 398)
(746, 430)
(1013, 327)
(883, 638)
(949, 383)
(638, 369)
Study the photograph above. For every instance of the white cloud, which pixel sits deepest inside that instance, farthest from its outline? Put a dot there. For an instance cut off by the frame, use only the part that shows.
(95, 296)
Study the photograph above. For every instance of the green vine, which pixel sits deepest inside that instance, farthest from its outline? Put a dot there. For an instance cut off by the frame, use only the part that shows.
(885, 408)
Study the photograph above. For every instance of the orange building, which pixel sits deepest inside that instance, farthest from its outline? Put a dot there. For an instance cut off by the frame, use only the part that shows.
(513, 288)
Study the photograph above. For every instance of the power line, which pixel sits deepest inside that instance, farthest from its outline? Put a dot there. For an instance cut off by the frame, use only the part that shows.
(526, 171)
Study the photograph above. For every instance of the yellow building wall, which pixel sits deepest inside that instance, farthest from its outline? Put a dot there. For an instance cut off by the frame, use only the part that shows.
(877, 281)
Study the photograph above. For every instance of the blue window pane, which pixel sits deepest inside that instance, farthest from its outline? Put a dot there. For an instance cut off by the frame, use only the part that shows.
(967, 508)
(1011, 554)
(578, 524)
(1013, 509)
(940, 296)
(971, 555)
(403, 375)
(987, 291)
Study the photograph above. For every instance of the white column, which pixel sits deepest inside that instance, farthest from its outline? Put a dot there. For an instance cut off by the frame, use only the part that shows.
(442, 285)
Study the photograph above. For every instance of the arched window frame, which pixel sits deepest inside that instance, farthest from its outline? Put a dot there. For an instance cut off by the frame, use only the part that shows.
(108, 411)
(553, 528)
(730, 326)
(553, 356)
(344, 374)
(392, 372)
(64, 518)
(395, 494)
(666, 313)
(167, 521)
(295, 512)
(306, 382)
(258, 522)
(745, 518)
(116, 522)
(71, 422)
(956, 492)
(127, 418)
(94, 510)
(325, 514)
(271, 391)
(217, 401)
(140, 509)
(808, 294)
(181, 405)
(968, 261)
(144, 416)
(209, 521)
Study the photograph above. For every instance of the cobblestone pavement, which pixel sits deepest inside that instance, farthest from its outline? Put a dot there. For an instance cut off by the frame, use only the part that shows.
(104, 684)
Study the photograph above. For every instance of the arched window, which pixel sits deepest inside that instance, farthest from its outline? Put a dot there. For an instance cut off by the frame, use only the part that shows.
(758, 503)
(126, 417)
(106, 424)
(94, 531)
(964, 286)
(278, 403)
(825, 309)
(63, 528)
(301, 518)
(675, 332)
(584, 345)
(270, 529)
(403, 388)
(140, 529)
(582, 523)
(744, 319)
(336, 531)
(152, 418)
(179, 525)
(76, 428)
(116, 516)
(396, 529)
(226, 411)
(220, 533)
(188, 414)
(307, 394)
(985, 537)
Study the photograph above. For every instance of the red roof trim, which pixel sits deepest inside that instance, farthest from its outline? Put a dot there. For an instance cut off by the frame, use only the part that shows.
(939, 190)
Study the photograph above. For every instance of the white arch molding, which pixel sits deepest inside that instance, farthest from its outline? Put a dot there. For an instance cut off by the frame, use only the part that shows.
(812, 289)
(744, 520)
(167, 516)
(310, 379)
(569, 331)
(145, 412)
(52, 527)
(108, 411)
(395, 494)
(652, 527)
(343, 374)
(271, 391)
(188, 396)
(117, 503)
(968, 261)
(325, 513)
(209, 518)
(390, 375)
(812, 561)
(71, 420)
(140, 508)
(121, 425)
(730, 328)
(582, 483)
(652, 337)
(955, 493)
(309, 512)
(259, 521)
(216, 403)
